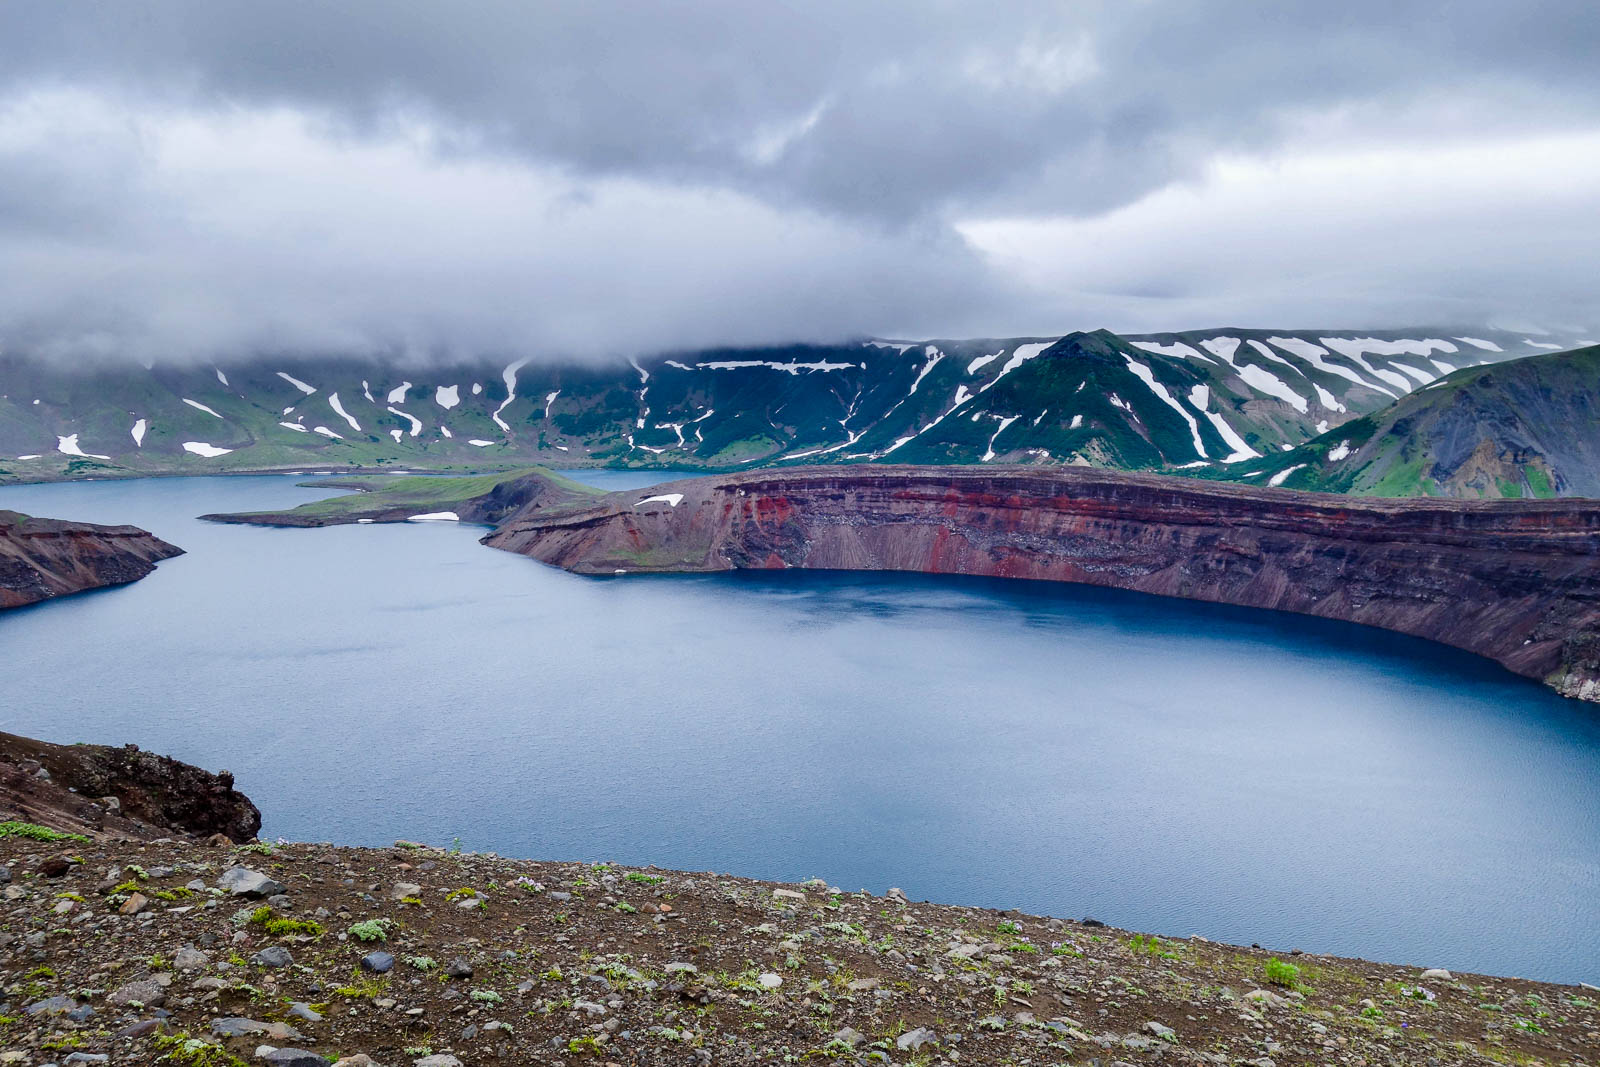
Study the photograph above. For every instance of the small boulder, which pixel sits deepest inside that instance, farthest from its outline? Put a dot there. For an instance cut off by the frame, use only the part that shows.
(439, 1059)
(51, 1006)
(850, 1036)
(405, 889)
(912, 1040)
(135, 903)
(378, 963)
(190, 958)
(458, 968)
(151, 992)
(1438, 974)
(243, 882)
(293, 1057)
(273, 956)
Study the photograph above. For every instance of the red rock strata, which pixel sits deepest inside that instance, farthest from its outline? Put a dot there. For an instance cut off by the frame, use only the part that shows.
(44, 558)
(1517, 581)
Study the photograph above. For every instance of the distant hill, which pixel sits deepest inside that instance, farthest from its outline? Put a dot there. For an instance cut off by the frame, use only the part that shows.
(1209, 400)
(1524, 427)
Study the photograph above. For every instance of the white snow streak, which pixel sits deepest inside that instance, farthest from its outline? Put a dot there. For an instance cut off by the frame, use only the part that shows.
(138, 432)
(983, 361)
(1336, 454)
(200, 406)
(509, 376)
(671, 499)
(1176, 348)
(1167, 398)
(1200, 397)
(324, 431)
(200, 448)
(223, 378)
(1478, 342)
(416, 423)
(333, 402)
(436, 516)
(1007, 421)
(68, 446)
(1283, 475)
(297, 383)
(293, 426)
(397, 395)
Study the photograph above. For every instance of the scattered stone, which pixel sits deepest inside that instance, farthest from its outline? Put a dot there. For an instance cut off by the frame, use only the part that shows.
(405, 889)
(896, 893)
(1160, 1030)
(150, 992)
(135, 903)
(190, 959)
(437, 1060)
(51, 1006)
(301, 1010)
(1438, 974)
(273, 956)
(788, 894)
(458, 968)
(912, 1040)
(850, 1036)
(1265, 996)
(769, 980)
(243, 882)
(239, 1027)
(360, 1059)
(377, 962)
(292, 1057)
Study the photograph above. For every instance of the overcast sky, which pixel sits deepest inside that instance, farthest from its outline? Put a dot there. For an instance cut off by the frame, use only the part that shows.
(601, 179)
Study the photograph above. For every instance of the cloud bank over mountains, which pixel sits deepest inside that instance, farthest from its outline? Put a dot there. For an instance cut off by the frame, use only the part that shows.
(599, 180)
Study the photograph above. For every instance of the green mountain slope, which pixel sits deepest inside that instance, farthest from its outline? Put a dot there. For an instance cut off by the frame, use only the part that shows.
(1197, 400)
(1525, 427)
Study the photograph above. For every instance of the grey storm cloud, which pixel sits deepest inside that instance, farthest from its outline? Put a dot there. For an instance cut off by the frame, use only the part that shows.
(599, 178)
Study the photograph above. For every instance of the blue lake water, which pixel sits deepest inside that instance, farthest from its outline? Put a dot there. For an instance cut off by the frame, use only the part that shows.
(1163, 766)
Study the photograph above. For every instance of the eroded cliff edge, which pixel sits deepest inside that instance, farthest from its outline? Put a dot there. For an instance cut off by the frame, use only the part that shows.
(44, 558)
(1516, 581)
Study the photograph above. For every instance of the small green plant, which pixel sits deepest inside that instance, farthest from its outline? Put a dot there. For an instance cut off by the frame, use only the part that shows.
(586, 1044)
(486, 996)
(642, 878)
(422, 963)
(186, 1051)
(277, 927)
(258, 848)
(461, 894)
(33, 832)
(1008, 929)
(1282, 974)
(371, 929)
(626, 908)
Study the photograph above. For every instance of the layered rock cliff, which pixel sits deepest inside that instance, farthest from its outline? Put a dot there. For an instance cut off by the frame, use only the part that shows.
(1516, 581)
(44, 558)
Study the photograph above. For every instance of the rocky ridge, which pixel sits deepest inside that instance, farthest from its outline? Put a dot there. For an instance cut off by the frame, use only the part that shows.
(45, 558)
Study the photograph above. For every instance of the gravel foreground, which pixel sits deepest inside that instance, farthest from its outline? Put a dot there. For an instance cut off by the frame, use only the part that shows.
(210, 954)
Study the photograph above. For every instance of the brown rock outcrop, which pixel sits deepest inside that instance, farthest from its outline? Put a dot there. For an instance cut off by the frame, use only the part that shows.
(93, 789)
(1516, 581)
(44, 558)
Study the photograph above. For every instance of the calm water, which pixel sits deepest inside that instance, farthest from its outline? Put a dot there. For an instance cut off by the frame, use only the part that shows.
(1158, 765)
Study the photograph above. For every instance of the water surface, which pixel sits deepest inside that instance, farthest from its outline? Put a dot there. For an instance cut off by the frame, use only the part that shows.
(1164, 766)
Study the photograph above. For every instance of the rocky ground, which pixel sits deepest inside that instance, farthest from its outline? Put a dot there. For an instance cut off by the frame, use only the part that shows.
(183, 952)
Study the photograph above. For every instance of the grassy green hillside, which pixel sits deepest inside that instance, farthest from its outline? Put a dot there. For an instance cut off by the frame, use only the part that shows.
(1523, 428)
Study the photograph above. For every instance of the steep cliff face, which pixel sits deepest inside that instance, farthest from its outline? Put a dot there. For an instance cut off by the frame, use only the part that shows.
(44, 558)
(94, 789)
(1518, 582)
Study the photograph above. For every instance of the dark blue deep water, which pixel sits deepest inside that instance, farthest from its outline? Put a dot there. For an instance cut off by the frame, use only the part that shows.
(1164, 766)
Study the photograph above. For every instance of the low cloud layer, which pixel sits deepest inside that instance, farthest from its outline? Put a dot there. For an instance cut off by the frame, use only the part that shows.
(601, 180)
